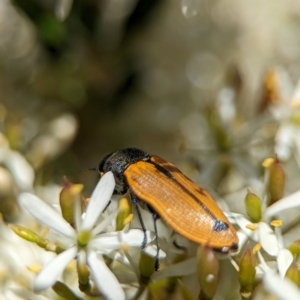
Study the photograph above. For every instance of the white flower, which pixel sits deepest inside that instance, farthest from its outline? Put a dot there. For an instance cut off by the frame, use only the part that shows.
(84, 242)
(281, 288)
(272, 243)
(270, 238)
(259, 232)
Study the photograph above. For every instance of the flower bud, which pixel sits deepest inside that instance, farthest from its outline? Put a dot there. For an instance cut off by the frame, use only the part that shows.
(207, 271)
(276, 182)
(293, 274)
(172, 282)
(247, 272)
(125, 214)
(185, 293)
(253, 207)
(159, 290)
(33, 237)
(9, 208)
(83, 273)
(29, 235)
(64, 291)
(69, 194)
(295, 249)
(146, 267)
(271, 91)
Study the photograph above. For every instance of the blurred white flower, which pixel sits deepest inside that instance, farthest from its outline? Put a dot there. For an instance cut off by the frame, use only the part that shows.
(221, 138)
(20, 169)
(281, 288)
(63, 8)
(190, 8)
(18, 166)
(287, 113)
(54, 140)
(84, 242)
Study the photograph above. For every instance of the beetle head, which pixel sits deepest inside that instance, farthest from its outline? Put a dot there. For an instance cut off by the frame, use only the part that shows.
(117, 162)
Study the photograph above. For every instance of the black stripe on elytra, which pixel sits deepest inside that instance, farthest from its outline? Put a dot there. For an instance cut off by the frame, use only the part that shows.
(162, 170)
(219, 225)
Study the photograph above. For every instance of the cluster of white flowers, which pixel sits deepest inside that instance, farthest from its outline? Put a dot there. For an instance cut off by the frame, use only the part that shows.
(88, 241)
(92, 240)
(50, 256)
(106, 260)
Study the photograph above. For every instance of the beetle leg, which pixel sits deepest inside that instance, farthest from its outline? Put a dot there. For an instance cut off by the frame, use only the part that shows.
(118, 192)
(155, 217)
(135, 203)
(108, 204)
(179, 246)
(122, 192)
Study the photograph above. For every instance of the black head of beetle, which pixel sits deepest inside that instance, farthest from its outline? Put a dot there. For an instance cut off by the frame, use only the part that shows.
(117, 162)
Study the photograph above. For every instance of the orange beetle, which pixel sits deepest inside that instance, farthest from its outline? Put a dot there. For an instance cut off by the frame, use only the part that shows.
(182, 204)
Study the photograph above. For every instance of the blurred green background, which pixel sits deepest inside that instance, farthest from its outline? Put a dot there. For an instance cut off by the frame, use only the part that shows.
(84, 78)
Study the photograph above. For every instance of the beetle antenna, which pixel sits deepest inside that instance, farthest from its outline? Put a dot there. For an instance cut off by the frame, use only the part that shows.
(155, 217)
(89, 169)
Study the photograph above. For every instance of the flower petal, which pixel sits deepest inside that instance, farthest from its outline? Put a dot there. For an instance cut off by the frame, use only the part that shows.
(46, 215)
(284, 141)
(21, 170)
(282, 289)
(243, 223)
(78, 214)
(268, 239)
(99, 200)
(104, 279)
(288, 202)
(103, 224)
(53, 269)
(115, 240)
(243, 238)
(295, 99)
(151, 250)
(183, 268)
(284, 260)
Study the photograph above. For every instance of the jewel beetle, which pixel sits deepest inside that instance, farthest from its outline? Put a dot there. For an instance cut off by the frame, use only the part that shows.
(183, 205)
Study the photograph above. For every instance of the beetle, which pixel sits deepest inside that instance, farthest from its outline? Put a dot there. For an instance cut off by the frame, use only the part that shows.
(183, 205)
